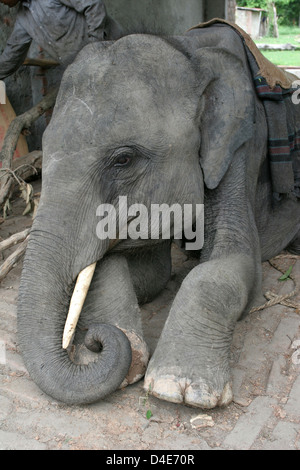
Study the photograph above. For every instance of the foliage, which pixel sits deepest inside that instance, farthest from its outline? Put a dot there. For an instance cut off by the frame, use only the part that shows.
(252, 3)
(288, 12)
(286, 275)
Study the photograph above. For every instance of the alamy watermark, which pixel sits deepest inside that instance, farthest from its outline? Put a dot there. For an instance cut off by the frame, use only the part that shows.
(296, 94)
(161, 221)
(2, 92)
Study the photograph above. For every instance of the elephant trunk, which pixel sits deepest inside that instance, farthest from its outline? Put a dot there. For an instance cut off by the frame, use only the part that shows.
(42, 310)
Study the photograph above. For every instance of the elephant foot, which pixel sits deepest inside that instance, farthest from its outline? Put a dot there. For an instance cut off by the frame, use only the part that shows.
(194, 372)
(177, 387)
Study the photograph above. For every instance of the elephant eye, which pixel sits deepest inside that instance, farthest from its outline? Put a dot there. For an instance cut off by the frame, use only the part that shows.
(123, 160)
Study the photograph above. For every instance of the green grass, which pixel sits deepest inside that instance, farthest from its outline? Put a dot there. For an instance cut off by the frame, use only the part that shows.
(287, 35)
(288, 58)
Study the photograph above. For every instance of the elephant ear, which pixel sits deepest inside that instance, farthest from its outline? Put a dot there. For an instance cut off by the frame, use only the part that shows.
(227, 115)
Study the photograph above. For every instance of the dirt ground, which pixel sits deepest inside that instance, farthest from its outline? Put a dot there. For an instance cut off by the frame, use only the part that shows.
(265, 357)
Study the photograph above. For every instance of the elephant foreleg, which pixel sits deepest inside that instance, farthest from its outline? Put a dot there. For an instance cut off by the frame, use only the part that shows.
(191, 361)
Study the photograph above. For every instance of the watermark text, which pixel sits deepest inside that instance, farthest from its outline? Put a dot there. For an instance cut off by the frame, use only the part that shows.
(296, 94)
(160, 221)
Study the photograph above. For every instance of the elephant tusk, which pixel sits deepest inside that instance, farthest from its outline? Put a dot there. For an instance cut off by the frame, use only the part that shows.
(83, 282)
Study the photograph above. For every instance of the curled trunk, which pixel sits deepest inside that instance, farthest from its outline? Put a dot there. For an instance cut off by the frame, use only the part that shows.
(42, 310)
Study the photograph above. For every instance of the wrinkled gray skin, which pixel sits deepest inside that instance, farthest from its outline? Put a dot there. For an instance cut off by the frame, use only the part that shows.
(161, 122)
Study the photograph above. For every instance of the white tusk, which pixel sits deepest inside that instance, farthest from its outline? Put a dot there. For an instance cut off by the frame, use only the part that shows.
(80, 292)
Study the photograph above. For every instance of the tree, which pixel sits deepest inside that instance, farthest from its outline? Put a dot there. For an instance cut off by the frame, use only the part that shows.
(273, 14)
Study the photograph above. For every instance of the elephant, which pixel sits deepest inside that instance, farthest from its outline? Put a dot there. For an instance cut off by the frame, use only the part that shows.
(160, 120)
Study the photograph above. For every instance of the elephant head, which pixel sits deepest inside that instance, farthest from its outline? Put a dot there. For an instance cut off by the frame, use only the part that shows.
(145, 118)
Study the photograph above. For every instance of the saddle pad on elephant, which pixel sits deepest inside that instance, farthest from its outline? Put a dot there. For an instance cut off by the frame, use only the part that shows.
(275, 87)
